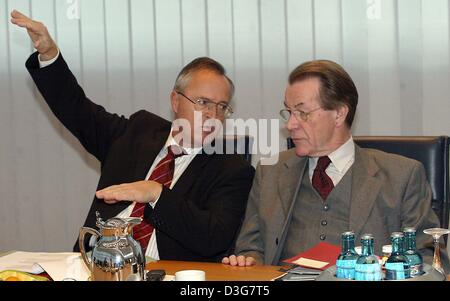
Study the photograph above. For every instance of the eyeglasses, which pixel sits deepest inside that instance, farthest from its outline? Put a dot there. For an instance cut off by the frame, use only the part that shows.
(299, 114)
(202, 104)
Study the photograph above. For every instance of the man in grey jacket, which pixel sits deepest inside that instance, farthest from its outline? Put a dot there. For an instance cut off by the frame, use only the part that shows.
(327, 185)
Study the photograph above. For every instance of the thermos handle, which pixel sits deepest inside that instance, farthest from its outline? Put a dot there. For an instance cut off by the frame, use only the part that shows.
(83, 232)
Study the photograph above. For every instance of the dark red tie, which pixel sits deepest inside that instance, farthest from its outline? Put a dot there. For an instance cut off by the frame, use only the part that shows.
(320, 180)
(163, 174)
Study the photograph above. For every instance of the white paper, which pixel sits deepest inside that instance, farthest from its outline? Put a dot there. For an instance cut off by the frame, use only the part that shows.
(316, 264)
(60, 266)
(20, 261)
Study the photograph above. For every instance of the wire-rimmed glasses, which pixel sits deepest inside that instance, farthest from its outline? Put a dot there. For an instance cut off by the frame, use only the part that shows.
(299, 114)
(201, 104)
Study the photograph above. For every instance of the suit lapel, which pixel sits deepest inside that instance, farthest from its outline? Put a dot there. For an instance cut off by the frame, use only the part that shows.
(191, 173)
(365, 189)
(288, 184)
(289, 179)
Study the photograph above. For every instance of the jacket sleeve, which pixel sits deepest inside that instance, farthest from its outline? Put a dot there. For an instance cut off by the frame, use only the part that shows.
(95, 128)
(249, 241)
(209, 230)
(417, 212)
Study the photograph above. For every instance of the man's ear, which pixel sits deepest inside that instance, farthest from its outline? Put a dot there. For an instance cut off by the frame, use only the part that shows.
(174, 101)
(341, 115)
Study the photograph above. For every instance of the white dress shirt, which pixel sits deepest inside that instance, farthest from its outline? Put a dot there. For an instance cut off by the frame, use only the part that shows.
(341, 161)
(43, 64)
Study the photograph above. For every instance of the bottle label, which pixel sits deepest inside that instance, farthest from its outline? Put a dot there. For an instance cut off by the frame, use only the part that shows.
(368, 272)
(395, 271)
(345, 269)
(416, 270)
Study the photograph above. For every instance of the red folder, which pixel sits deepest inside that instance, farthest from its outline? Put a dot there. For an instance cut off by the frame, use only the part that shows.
(322, 252)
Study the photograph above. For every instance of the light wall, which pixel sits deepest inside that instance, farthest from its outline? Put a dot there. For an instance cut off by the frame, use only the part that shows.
(126, 55)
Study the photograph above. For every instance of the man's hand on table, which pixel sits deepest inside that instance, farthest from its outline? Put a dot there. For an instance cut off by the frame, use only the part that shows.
(240, 260)
(140, 192)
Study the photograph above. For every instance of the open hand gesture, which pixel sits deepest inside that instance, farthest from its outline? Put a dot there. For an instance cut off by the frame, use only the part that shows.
(39, 35)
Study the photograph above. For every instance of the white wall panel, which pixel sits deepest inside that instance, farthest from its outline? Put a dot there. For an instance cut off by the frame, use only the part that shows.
(355, 47)
(144, 69)
(8, 178)
(247, 58)
(436, 88)
(274, 67)
(221, 34)
(194, 27)
(118, 52)
(300, 29)
(24, 133)
(328, 29)
(410, 51)
(384, 71)
(169, 48)
(49, 148)
(74, 168)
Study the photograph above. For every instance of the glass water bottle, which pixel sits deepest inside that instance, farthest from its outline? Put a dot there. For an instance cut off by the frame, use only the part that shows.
(414, 258)
(397, 265)
(345, 263)
(367, 267)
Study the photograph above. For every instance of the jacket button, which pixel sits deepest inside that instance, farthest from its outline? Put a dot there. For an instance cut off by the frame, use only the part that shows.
(326, 208)
(276, 241)
(323, 236)
(324, 222)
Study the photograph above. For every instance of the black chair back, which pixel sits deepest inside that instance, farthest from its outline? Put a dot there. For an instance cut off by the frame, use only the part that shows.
(432, 151)
(237, 144)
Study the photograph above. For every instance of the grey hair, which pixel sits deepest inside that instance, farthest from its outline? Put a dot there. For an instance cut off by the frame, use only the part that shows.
(201, 63)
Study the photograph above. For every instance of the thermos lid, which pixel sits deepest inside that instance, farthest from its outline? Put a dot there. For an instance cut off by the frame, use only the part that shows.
(115, 223)
(116, 226)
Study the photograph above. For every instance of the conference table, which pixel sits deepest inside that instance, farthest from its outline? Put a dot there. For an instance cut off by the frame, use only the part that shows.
(219, 271)
(213, 271)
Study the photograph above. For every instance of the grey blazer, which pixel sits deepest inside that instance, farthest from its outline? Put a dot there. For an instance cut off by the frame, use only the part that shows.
(389, 192)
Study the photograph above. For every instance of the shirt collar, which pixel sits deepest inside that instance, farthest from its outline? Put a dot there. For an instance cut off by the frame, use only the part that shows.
(187, 150)
(341, 156)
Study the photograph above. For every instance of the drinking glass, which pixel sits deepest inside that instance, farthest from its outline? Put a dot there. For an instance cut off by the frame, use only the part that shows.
(436, 233)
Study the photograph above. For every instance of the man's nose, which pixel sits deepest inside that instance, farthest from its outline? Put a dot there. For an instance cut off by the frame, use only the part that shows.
(211, 112)
(292, 123)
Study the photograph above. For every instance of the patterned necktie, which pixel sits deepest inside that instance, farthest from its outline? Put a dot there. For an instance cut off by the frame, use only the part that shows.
(163, 174)
(320, 180)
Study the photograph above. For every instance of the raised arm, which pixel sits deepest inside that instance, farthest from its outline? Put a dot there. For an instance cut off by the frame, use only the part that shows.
(39, 35)
(94, 127)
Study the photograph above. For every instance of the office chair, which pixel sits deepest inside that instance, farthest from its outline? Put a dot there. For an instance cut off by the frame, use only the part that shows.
(237, 144)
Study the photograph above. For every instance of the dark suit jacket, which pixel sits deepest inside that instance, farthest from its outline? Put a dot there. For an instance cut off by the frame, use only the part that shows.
(199, 218)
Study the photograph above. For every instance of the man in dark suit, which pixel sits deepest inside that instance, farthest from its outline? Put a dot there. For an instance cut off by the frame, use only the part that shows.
(192, 202)
(327, 185)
